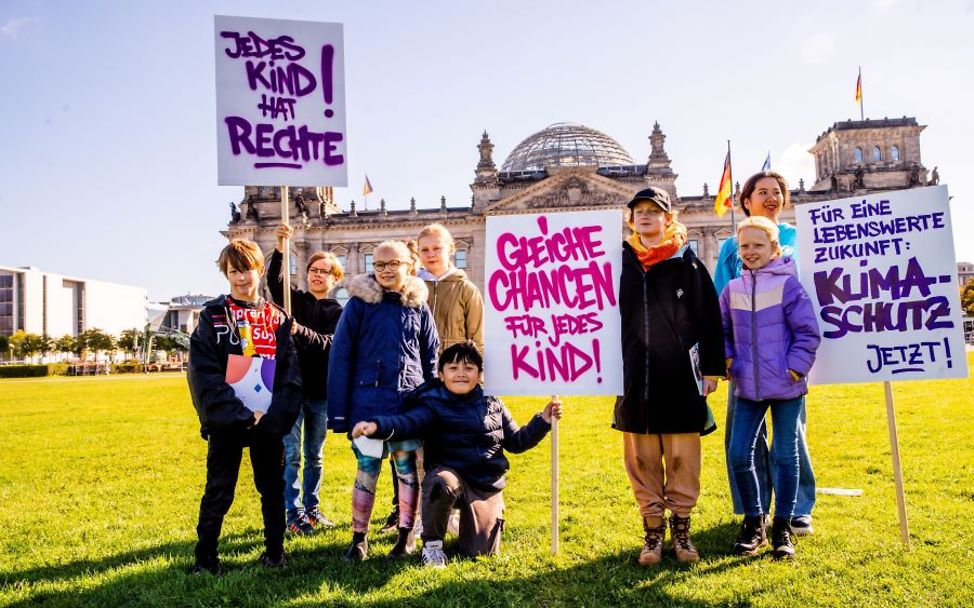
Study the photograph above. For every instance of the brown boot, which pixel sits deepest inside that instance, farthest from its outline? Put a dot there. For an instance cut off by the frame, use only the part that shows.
(652, 552)
(682, 545)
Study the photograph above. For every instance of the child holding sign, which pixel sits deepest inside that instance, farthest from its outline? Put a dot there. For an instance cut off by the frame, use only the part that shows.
(246, 387)
(767, 306)
(670, 340)
(465, 434)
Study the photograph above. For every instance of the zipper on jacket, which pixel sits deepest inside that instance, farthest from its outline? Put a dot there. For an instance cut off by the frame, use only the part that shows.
(378, 372)
(754, 334)
(646, 332)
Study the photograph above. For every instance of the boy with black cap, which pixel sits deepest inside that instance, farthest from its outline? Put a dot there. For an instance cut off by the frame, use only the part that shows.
(672, 355)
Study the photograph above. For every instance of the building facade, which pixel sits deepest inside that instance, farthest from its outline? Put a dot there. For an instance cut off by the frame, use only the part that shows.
(46, 303)
(568, 167)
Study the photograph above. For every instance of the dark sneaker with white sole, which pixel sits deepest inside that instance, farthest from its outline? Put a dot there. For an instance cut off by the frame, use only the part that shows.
(801, 525)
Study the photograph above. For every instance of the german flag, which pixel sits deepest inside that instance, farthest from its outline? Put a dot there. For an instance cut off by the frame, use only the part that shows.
(859, 88)
(725, 200)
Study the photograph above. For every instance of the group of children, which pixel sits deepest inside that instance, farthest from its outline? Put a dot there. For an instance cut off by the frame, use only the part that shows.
(402, 364)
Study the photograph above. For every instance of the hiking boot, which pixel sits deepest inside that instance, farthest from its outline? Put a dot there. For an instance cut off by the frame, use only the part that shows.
(405, 544)
(392, 522)
(801, 525)
(655, 533)
(682, 545)
(317, 520)
(358, 550)
(300, 526)
(278, 562)
(433, 555)
(781, 538)
(753, 535)
(212, 566)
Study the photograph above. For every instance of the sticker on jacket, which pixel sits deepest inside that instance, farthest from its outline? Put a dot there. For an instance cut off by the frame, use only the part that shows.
(252, 380)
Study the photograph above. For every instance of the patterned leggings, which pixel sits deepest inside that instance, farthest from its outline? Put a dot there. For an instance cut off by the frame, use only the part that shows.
(366, 478)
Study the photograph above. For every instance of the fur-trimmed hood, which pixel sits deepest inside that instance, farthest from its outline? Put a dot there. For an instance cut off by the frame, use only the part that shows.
(367, 289)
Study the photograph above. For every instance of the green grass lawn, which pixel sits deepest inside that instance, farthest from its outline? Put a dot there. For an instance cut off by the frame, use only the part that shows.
(100, 481)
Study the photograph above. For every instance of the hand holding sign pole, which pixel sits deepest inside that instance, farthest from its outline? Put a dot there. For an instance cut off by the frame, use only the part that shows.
(551, 307)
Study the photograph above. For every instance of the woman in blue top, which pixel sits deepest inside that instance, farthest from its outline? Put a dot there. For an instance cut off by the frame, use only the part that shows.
(765, 194)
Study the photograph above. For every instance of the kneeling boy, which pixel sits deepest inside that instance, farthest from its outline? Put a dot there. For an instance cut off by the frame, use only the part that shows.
(465, 433)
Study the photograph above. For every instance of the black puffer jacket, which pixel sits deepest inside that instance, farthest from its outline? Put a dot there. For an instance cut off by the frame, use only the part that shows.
(317, 320)
(213, 341)
(467, 433)
(665, 311)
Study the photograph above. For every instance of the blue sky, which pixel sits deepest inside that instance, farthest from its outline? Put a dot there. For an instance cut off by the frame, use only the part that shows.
(108, 155)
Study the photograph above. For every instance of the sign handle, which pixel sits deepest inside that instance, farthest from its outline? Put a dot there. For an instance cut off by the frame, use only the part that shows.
(897, 470)
(285, 218)
(554, 482)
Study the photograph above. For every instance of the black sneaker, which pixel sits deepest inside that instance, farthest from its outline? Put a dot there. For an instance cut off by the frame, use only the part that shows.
(212, 566)
(300, 526)
(801, 525)
(392, 522)
(317, 519)
(279, 562)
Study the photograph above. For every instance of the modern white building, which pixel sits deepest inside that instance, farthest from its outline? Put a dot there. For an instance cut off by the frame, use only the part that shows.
(41, 302)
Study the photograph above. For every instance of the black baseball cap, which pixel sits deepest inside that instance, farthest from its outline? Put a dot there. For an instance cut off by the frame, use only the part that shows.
(653, 195)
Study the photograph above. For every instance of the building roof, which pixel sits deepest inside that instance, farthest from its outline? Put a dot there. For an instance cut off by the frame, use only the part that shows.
(566, 145)
(869, 123)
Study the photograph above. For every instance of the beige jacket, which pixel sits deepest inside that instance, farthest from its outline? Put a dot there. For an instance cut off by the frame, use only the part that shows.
(458, 310)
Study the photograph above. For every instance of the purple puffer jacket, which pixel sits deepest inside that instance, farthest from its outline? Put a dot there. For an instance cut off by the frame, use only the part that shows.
(769, 328)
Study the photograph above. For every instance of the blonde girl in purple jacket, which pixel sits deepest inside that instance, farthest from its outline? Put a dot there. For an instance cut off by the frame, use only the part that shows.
(770, 338)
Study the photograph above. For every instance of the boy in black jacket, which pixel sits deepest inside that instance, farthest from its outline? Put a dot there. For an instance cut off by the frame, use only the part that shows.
(233, 330)
(465, 434)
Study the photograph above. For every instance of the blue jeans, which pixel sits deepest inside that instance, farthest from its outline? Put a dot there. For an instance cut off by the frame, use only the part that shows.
(765, 463)
(314, 419)
(746, 433)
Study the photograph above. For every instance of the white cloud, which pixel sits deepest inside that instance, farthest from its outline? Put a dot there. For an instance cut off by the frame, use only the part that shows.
(11, 29)
(818, 48)
(796, 163)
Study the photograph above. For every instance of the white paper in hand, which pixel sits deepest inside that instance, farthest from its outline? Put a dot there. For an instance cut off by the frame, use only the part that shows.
(368, 446)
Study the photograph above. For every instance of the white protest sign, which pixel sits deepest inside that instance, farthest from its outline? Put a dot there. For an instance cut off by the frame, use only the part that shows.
(881, 275)
(280, 102)
(552, 309)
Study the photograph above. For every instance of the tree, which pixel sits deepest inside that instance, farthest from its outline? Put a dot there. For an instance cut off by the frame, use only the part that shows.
(967, 298)
(129, 341)
(4, 345)
(26, 345)
(94, 341)
(66, 344)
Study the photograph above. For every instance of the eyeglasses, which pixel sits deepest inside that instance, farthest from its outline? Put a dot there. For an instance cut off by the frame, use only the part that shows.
(391, 265)
(319, 271)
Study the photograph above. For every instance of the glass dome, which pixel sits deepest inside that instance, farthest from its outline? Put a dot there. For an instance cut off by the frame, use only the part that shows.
(566, 145)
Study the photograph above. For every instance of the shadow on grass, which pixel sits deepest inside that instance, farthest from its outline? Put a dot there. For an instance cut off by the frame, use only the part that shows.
(317, 576)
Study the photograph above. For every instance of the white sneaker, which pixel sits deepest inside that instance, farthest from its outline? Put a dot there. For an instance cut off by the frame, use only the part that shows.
(433, 555)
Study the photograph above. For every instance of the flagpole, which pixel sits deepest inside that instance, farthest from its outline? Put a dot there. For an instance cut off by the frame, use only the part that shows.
(862, 112)
(730, 171)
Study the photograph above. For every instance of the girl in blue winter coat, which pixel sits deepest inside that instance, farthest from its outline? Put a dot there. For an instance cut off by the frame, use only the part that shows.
(767, 306)
(384, 347)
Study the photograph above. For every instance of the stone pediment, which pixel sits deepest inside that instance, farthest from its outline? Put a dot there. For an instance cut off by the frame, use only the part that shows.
(568, 189)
